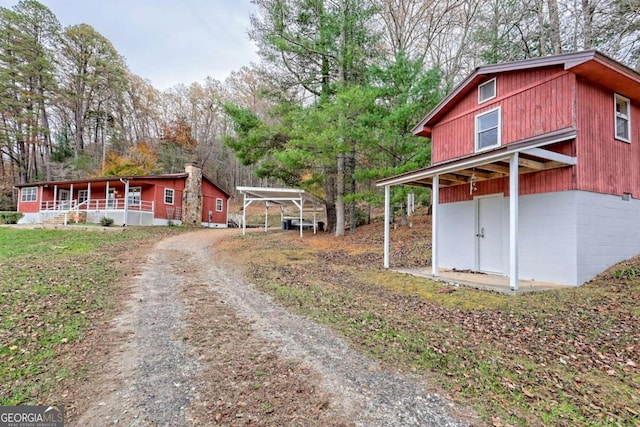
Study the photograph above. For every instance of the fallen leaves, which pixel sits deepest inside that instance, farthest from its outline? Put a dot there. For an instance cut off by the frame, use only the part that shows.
(568, 354)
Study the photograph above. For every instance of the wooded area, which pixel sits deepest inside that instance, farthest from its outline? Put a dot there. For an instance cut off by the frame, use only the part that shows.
(329, 108)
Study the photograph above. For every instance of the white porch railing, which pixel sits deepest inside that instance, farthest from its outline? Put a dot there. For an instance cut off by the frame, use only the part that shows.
(97, 205)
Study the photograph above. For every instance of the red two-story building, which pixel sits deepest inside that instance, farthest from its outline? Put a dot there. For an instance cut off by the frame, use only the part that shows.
(535, 170)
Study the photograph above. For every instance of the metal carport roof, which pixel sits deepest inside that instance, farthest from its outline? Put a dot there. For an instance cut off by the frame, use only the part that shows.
(281, 197)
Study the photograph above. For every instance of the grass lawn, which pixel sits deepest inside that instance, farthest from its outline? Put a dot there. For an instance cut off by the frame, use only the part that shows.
(558, 358)
(54, 285)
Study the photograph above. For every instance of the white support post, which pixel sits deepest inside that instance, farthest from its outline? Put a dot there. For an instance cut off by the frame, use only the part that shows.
(301, 207)
(514, 190)
(315, 224)
(55, 197)
(435, 196)
(266, 217)
(126, 202)
(244, 214)
(387, 219)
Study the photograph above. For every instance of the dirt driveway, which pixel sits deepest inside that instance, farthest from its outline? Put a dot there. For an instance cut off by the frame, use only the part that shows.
(196, 345)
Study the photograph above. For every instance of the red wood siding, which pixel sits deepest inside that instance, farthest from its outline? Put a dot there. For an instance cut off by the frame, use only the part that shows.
(605, 164)
(209, 195)
(156, 193)
(533, 102)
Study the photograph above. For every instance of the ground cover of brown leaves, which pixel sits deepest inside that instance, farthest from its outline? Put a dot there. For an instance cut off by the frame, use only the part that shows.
(558, 358)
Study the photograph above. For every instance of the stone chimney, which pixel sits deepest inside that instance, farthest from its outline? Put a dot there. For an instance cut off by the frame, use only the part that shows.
(192, 196)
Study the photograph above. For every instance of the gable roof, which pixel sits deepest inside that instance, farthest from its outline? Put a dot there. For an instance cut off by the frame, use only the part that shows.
(589, 64)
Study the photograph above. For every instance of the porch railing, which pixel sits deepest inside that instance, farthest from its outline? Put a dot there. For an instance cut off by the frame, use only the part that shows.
(96, 205)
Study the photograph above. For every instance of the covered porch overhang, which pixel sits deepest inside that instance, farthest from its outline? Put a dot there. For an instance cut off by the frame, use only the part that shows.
(280, 197)
(512, 160)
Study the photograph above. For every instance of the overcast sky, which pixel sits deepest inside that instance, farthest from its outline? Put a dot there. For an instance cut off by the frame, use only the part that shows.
(167, 41)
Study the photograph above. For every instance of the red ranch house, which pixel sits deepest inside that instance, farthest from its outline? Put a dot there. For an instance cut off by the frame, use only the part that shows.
(188, 198)
(536, 169)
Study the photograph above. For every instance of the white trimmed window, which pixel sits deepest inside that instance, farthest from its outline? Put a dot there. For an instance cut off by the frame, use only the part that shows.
(487, 91)
(29, 194)
(622, 118)
(488, 129)
(219, 205)
(169, 194)
(83, 196)
(134, 196)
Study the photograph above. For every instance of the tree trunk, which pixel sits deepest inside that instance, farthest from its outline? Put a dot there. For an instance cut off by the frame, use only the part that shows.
(554, 27)
(587, 24)
(330, 198)
(340, 211)
(79, 122)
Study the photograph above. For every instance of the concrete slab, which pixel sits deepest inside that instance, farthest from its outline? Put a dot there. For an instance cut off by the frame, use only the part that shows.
(479, 280)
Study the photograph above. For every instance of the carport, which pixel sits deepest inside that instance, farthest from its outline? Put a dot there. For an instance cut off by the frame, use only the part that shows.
(281, 197)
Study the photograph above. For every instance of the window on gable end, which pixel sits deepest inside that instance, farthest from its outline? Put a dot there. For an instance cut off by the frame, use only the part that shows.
(622, 118)
(487, 91)
(169, 195)
(488, 129)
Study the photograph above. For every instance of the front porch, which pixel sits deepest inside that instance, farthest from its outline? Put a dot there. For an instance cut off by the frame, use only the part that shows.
(121, 210)
(479, 280)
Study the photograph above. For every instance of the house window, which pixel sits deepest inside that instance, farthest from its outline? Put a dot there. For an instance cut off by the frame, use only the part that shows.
(133, 198)
(487, 91)
(488, 129)
(83, 196)
(29, 194)
(623, 110)
(219, 205)
(168, 196)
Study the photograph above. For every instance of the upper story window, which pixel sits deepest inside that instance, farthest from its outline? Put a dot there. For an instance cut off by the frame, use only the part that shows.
(623, 118)
(487, 91)
(219, 205)
(488, 129)
(29, 194)
(168, 196)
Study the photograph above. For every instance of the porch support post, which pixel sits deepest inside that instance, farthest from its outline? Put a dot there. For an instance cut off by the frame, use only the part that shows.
(435, 200)
(387, 218)
(106, 196)
(126, 201)
(55, 197)
(88, 196)
(514, 190)
(266, 217)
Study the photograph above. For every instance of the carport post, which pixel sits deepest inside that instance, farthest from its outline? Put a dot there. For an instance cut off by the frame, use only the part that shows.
(244, 214)
(435, 196)
(387, 218)
(301, 207)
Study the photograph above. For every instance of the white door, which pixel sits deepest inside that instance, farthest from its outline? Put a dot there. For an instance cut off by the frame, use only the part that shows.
(489, 234)
(65, 199)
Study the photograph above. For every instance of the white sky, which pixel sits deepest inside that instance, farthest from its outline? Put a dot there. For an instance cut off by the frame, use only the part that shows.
(167, 41)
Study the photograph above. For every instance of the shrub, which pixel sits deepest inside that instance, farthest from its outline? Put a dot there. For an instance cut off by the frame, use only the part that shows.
(106, 222)
(10, 217)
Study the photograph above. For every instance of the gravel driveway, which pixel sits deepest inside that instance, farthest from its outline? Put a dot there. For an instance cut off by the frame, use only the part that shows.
(199, 346)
